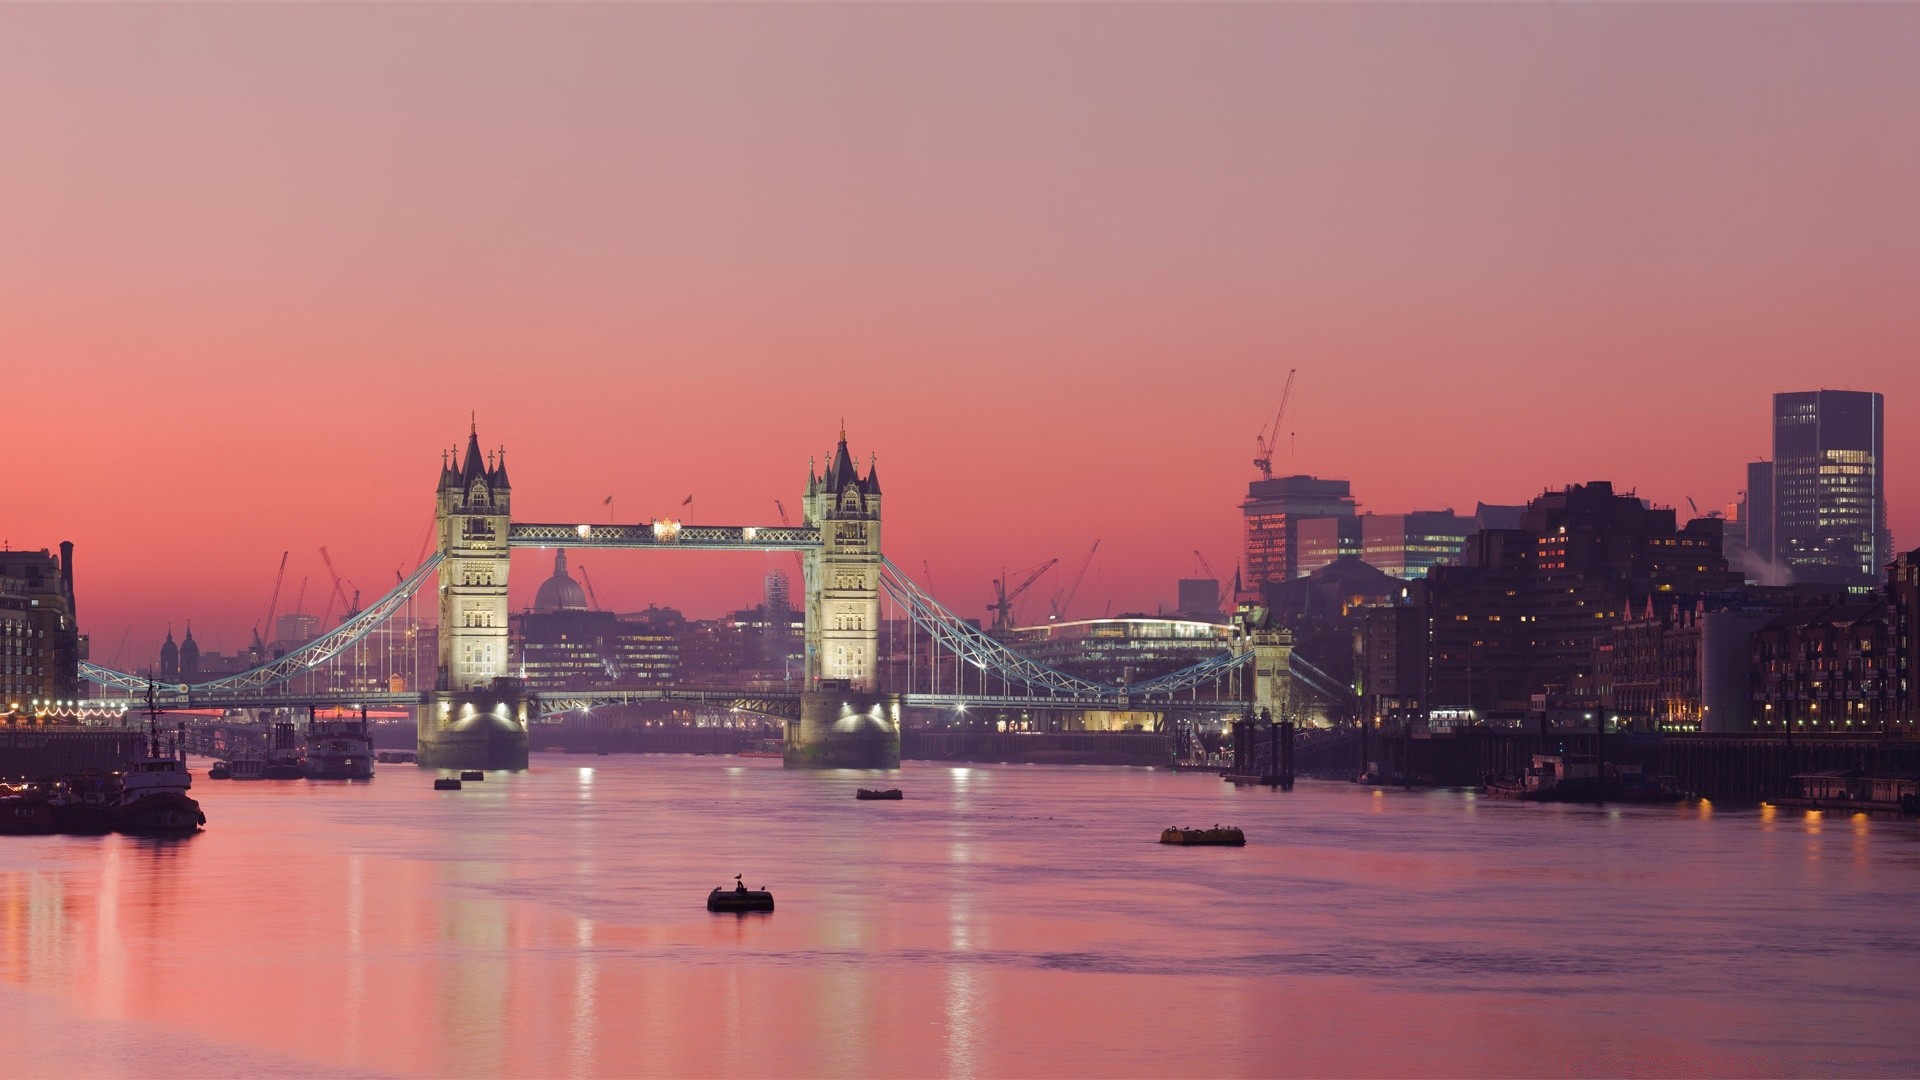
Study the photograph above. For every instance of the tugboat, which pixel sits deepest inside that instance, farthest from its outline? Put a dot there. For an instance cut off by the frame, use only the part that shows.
(739, 898)
(868, 795)
(247, 765)
(219, 770)
(339, 749)
(153, 794)
(1214, 837)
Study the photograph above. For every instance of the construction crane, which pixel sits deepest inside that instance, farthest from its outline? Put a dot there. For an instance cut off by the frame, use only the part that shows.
(300, 599)
(593, 598)
(273, 601)
(799, 561)
(1002, 607)
(348, 608)
(123, 644)
(928, 570)
(1064, 598)
(1270, 437)
(1219, 582)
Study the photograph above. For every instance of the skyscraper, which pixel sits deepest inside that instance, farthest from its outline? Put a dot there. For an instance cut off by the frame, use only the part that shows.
(1829, 488)
(1274, 510)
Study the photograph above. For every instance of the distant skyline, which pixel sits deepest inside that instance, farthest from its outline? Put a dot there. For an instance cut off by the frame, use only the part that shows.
(1051, 263)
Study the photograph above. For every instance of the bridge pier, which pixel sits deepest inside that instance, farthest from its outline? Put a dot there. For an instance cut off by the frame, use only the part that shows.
(844, 728)
(473, 729)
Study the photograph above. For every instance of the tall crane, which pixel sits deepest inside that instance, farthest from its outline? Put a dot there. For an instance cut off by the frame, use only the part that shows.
(1002, 607)
(1219, 583)
(1270, 436)
(1064, 598)
(928, 570)
(799, 561)
(273, 601)
(348, 608)
(593, 598)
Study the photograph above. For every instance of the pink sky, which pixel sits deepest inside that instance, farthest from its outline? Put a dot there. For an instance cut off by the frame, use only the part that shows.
(1051, 262)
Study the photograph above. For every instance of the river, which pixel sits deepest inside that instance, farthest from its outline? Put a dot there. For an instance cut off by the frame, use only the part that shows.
(1000, 921)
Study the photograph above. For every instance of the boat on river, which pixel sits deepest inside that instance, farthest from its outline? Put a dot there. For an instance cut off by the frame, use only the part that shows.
(869, 795)
(739, 898)
(153, 799)
(1214, 837)
(339, 750)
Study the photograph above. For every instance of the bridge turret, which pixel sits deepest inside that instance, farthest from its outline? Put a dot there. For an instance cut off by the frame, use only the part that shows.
(473, 511)
(843, 574)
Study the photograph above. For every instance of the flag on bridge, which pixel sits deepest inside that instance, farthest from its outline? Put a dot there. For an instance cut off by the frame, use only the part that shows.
(609, 501)
(688, 501)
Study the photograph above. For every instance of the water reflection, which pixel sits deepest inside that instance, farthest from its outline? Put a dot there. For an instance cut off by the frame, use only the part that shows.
(998, 921)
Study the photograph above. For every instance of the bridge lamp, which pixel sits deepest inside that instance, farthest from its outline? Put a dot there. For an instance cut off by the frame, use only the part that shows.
(584, 530)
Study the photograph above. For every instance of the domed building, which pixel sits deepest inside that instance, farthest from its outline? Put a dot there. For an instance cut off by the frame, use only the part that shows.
(559, 592)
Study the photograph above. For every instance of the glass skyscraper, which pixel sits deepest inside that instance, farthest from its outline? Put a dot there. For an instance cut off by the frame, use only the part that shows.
(1829, 487)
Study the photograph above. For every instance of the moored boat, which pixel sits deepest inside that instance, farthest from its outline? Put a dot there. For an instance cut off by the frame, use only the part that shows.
(26, 815)
(868, 795)
(153, 798)
(339, 749)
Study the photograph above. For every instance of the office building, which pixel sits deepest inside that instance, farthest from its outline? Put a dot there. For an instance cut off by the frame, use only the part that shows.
(1828, 493)
(1274, 509)
(40, 642)
(1409, 545)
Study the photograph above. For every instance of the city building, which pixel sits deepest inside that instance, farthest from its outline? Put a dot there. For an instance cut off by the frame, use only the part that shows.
(1273, 510)
(1408, 545)
(1526, 608)
(1818, 510)
(1198, 598)
(1841, 666)
(1390, 664)
(1123, 649)
(1323, 540)
(40, 642)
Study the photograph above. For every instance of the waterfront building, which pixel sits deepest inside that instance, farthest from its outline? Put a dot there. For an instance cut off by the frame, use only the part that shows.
(40, 642)
(1274, 509)
(1527, 607)
(1842, 666)
(1823, 517)
(1123, 649)
(1390, 663)
(1408, 545)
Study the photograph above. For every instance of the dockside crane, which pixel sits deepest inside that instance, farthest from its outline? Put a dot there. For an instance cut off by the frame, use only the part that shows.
(1270, 436)
(1002, 607)
(1063, 599)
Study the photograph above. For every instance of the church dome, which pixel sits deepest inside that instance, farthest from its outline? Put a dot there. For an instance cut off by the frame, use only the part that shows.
(560, 592)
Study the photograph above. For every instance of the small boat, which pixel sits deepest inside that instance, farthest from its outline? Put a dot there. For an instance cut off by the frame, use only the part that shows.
(473, 774)
(82, 804)
(866, 794)
(220, 770)
(26, 815)
(739, 898)
(1214, 837)
(446, 783)
(396, 757)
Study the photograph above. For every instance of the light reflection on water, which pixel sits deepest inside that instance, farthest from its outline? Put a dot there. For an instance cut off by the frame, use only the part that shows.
(999, 921)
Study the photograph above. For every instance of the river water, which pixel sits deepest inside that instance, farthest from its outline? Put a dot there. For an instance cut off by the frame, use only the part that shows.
(1002, 920)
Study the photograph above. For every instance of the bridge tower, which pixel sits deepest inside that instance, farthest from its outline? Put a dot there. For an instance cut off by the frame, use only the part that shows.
(1272, 665)
(475, 718)
(846, 721)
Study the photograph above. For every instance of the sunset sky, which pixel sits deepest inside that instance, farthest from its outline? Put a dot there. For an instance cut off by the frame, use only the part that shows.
(1051, 263)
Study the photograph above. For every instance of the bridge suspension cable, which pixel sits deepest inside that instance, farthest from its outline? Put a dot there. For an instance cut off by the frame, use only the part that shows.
(298, 662)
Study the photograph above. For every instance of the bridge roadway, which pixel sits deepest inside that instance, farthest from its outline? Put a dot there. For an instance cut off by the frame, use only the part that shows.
(784, 704)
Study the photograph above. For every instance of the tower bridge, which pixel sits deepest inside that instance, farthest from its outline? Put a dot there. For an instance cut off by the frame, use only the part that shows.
(473, 714)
